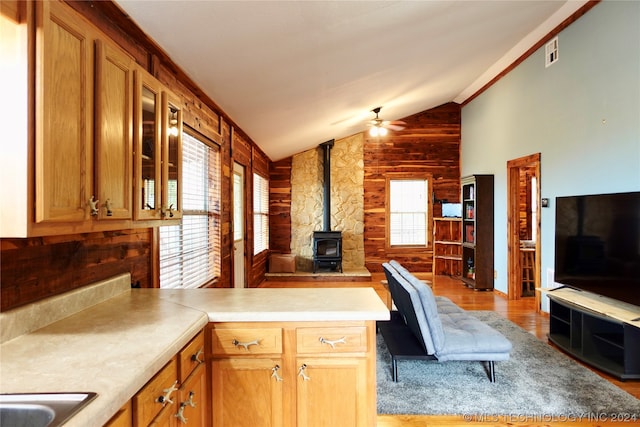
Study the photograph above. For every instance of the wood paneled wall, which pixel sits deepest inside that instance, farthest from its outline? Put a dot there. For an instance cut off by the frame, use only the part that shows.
(36, 268)
(280, 206)
(430, 144)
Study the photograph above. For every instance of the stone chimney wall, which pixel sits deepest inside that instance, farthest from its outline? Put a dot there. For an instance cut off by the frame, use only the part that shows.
(347, 201)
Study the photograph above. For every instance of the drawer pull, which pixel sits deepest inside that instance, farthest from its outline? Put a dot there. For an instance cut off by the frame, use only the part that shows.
(246, 344)
(302, 372)
(274, 373)
(196, 357)
(334, 342)
(167, 394)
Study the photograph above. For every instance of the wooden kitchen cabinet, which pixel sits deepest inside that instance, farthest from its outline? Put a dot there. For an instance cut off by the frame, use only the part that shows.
(320, 369)
(158, 150)
(64, 115)
(113, 132)
(122, 418)
(157, 396)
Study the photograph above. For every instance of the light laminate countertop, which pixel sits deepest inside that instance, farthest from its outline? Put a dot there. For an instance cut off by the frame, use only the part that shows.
(112, 346)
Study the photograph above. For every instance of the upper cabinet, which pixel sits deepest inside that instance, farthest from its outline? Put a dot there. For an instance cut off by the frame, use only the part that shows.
(64, 115)
(113, 133)
(148, 146)
(158, 144)
(171, 157)
(102, 149)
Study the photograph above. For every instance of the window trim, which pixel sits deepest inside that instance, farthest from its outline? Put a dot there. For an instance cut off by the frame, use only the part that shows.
(429, 225)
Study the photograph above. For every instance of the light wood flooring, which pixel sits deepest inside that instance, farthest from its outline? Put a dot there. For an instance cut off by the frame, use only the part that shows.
(522, 312)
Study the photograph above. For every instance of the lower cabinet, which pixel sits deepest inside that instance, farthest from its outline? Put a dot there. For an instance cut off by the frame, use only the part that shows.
(176, 396)
(289, 374)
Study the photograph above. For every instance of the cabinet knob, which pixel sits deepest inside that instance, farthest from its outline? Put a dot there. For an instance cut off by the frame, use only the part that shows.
(334, 342)
(246, 344)
(302, 372)
(166, 398)
(274, 373)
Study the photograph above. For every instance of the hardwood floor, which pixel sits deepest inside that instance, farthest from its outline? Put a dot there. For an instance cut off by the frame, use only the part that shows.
(522, 312)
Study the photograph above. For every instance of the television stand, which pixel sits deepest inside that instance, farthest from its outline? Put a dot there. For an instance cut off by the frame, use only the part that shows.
(599, 331)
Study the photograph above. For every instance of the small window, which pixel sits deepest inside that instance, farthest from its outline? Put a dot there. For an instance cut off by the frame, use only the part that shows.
(260, 214)
(408, 212)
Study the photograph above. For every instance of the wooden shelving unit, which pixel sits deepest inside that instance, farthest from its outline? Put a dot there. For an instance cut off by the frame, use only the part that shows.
(447, 247)
(477, 231)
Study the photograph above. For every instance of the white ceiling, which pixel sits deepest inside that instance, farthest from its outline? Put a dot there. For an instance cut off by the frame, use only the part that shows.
(293, 74)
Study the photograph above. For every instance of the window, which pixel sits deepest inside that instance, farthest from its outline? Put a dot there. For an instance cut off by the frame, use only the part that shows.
(190, 252)
(408, 212)
(260, 214)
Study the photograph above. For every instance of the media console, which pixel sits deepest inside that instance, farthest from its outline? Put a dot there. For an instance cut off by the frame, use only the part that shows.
(597, 330)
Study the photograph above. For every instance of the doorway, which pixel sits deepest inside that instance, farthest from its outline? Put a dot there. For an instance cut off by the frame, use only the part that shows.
(523, 222)
(239, 244)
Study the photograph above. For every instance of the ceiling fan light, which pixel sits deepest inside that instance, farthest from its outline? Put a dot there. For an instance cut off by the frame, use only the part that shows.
(382, 131)
(374, 131)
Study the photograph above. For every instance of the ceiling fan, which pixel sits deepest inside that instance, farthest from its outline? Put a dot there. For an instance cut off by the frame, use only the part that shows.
(379, 127)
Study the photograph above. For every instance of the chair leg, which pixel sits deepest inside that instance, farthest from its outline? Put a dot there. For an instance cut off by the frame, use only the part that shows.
(394, 369)
(492, 372)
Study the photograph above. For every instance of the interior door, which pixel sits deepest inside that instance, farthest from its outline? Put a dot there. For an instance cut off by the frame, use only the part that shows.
(238, 227)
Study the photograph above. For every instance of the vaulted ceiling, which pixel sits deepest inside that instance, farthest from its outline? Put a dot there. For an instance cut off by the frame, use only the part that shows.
(293, 74)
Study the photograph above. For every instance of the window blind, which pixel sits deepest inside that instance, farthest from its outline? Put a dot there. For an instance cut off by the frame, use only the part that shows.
(260, 214)
(190, 252)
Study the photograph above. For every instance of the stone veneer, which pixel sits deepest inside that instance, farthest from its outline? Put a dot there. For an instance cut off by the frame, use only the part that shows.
(347, 201)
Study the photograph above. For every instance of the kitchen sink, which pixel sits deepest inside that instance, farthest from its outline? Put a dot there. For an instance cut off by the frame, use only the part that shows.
(40, 409)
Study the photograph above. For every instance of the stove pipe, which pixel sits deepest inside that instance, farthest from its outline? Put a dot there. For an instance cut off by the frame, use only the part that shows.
(326, 186)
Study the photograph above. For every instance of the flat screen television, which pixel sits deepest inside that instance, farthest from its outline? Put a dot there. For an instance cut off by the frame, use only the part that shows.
(597, 244)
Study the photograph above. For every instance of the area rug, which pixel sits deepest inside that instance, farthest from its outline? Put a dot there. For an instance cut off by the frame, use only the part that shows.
(536, 380)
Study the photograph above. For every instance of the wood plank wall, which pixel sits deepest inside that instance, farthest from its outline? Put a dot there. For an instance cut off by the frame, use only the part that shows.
(40, 267)
(430, 144)
(280, 206)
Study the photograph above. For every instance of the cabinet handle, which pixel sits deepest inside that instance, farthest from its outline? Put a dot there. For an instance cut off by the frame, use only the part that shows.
(180, 414)
(107, 205)
(93, 204)
(302, 372)
(189, 402)
(274, 373)
(196, 357)
(246, 344)
(334, 342)
(167, 211)
(167, 394)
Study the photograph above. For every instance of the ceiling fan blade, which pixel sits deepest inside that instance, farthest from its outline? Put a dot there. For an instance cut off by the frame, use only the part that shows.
(394, 126)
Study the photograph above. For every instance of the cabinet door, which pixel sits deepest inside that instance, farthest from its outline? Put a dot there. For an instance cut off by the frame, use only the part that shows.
(171, 157)
(247, 392)
(114, 132)
(122, 418)
(64, 115)
(192, 403)
(332, 392)
(148, 150)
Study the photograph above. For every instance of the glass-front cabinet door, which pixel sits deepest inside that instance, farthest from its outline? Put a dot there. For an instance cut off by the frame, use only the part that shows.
(171, 157)
(148, 149)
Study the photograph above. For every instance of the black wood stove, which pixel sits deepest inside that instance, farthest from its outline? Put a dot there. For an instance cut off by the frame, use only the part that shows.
(327, 244)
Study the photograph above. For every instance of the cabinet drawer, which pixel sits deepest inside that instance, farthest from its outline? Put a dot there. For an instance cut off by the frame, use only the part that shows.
(145, 404)
(243, 341)
(191, 356)
(332, 340)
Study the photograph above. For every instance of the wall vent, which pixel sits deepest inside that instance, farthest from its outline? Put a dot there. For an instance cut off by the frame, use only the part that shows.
(551, 52)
